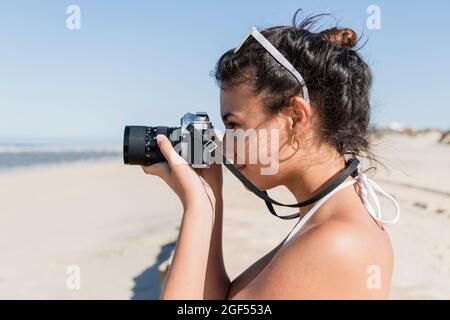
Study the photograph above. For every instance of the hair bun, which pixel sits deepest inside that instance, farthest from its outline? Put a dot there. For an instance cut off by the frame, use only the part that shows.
(345, 38)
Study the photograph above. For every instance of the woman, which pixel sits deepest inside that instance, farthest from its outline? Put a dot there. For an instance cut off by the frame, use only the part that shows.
(322, 116)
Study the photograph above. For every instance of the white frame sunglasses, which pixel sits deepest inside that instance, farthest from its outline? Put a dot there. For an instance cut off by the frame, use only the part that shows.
(277, 56)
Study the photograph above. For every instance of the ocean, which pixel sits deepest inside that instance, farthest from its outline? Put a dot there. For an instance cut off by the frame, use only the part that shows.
(17, 156)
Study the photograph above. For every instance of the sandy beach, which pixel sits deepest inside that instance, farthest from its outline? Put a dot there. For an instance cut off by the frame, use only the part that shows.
(118, 225)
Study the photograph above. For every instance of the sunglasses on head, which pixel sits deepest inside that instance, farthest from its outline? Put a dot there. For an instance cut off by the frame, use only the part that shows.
(277, 56)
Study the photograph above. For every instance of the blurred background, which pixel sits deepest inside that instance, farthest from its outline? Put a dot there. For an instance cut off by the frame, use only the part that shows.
(76, 223)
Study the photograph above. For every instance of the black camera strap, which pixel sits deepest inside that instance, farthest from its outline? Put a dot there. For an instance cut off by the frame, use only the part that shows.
(351, 170)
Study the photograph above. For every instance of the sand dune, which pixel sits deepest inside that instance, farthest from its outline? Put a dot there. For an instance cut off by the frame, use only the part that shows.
(118, 225)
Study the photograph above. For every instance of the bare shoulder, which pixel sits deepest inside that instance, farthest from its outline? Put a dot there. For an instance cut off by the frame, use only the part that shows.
(342, 239)
(334, 260)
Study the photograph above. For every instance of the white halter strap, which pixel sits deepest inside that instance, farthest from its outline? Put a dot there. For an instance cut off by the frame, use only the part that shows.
(368, 193)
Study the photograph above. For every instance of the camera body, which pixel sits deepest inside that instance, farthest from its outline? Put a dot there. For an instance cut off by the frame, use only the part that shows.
(194, 140)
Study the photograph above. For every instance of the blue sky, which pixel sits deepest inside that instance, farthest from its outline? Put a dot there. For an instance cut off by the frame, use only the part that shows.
(148, 62)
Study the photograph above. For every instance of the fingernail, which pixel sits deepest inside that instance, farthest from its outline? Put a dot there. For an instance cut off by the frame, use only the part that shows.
(159, 137)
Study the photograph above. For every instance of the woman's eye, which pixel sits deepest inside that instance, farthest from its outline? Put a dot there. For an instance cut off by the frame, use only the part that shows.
(230, 125)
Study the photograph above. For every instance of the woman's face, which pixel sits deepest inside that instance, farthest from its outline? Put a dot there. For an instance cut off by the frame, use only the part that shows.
(261, 146)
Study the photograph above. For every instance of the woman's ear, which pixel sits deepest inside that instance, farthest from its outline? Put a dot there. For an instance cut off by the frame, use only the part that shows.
(299, 113)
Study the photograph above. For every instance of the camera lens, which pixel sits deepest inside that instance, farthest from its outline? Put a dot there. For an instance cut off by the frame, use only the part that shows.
(140, 146)
(134, 145)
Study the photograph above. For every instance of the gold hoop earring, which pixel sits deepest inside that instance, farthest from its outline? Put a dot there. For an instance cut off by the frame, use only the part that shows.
(297, 144)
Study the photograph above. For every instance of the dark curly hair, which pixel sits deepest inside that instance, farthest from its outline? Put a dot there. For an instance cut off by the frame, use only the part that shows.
(338, 79)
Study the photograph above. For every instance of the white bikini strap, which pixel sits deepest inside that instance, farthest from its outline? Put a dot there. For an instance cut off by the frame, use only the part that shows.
(368, 194)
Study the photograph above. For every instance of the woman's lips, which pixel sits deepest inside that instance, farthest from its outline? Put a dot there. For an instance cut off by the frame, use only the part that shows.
(240, 167)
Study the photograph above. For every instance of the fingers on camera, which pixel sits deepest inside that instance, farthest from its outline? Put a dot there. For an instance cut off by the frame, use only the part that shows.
(172, 157)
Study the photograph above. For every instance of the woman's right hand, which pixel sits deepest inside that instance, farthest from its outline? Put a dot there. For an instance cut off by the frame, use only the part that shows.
(214, 178)
(193, 188)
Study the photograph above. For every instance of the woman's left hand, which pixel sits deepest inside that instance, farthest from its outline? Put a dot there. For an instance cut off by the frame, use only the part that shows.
(190, 187)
